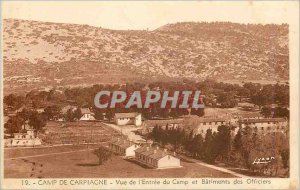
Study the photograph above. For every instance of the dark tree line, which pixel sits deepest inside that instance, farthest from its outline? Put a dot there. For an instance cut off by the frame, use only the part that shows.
(208, 148)
(215, 94)
(239, 150)
(36, 120)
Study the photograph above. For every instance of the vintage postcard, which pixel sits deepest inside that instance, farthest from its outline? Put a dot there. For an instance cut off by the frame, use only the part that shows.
(149, 95)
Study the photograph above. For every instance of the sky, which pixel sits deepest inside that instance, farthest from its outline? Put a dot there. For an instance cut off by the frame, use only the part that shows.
(149, 15)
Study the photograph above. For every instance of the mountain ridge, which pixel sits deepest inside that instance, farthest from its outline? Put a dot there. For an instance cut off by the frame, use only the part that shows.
(50, 54)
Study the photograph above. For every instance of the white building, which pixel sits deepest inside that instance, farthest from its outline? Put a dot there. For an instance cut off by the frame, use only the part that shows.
(26, 138)
(266, 125)
(123, 147)
(128, 119)
(253, 115)
(209, 123)
(156, 158)
(87, 115)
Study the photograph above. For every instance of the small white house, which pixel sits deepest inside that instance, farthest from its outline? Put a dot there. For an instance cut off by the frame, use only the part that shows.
(156, 158)
(87, 115)
(128, 119)
(123, 147)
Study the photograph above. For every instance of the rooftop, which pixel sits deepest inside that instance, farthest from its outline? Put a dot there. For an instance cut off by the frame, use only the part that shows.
(126, 115)
(264, 120)
(153, 152)
(85, 111)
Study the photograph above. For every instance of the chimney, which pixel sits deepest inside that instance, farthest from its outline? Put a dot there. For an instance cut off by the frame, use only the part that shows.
(118, 139)
(174, 153)
(165, 150)
(147, 148)
(157, 148)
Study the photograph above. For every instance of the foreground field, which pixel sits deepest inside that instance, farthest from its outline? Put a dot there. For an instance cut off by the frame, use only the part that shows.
(80, 162)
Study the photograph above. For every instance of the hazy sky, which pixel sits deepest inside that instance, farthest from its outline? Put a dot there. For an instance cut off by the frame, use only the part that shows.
(143, 15)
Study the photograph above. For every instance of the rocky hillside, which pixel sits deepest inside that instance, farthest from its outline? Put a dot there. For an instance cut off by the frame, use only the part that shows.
(43, 54)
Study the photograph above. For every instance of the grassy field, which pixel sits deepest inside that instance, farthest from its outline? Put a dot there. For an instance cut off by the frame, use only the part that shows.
(76, 133)
(80, 162)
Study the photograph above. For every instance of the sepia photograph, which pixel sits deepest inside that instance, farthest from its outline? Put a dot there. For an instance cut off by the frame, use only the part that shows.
(196, 90)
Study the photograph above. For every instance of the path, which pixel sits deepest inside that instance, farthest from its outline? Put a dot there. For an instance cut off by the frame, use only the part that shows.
(127, 130)
(216, 167)
(50, 154)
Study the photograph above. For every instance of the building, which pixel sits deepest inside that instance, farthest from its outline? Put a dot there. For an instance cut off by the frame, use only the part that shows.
(156, 158)
(87, 115)
(235, 119)
(209, 123)
(123, 147)
(26, 137)
(163, 123)
(128, 119)
(253, 115)
(266, 125)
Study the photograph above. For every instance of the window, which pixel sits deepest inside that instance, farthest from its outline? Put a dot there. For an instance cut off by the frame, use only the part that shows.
(169, 157)
(262, 128)
(216, 123)
(204, 123)
(209, 123)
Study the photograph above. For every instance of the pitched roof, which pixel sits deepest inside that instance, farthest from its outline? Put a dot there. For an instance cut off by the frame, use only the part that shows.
(126, 115)
(85, 111)
(202, 120)
(264, 120)
(250, 115)
(153, 152)
(159, 154)
(163, 122)
(141, 149)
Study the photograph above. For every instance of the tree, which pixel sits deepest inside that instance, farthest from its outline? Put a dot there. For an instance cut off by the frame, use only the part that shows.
(13, 125)
(226, 100)
(285, 156)
(266, 111)
(52, 112)
(103, 154)
(237, 142)
(259, 100)
(37, 121)
(209, 152)
(109, 114)
(197, 146)
(198, 111)
(78, 113)
(223, 141)
(70, 115)
(281, 112)
(14, 101)
(98, 114)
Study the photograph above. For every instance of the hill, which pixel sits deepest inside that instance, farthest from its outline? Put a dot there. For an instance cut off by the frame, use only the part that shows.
(43, 55)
